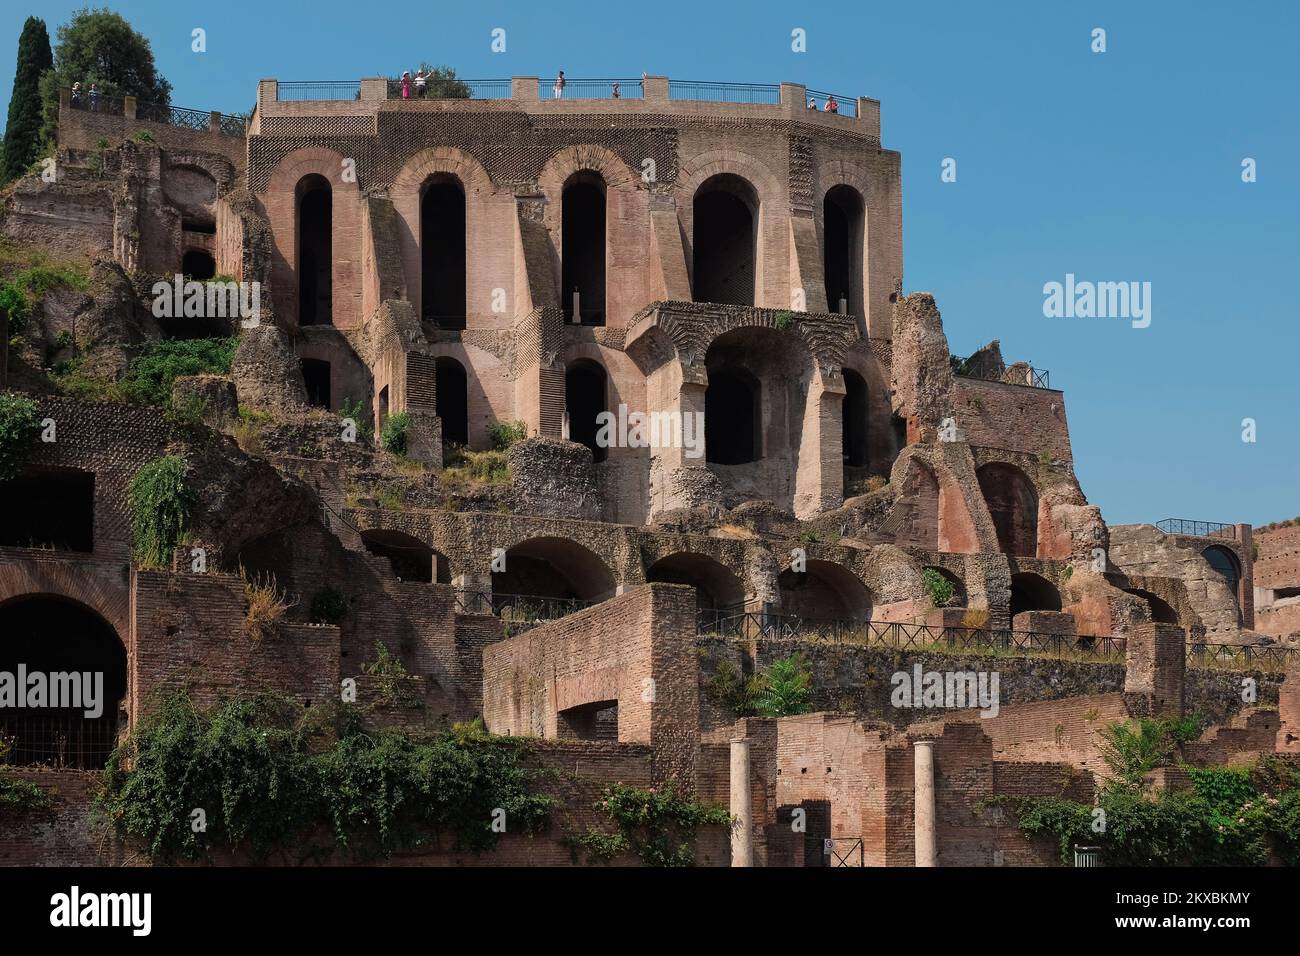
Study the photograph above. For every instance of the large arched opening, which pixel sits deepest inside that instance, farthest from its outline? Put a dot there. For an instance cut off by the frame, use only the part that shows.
(549, 577)
(1033, 592)
(716, 587)
(442, 252)
(1161, 611)
(725, 244)
(198, 264)
(582, 247)
(1226, 564)
(1013, 505)
(451, 388)
(315, 210)
(733, 417)
(842, 219)
(585, 384)
(57, 511)
(824, 591)
(411, 559)
(82, 663)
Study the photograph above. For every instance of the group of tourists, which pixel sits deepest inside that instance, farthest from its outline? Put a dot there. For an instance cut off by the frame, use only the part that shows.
(832, 104)
(92, 96)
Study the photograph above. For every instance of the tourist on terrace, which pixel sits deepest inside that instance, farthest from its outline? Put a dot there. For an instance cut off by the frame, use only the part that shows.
(76, 94)
(406, 84)
(94, 97)
(812, 103)
(616, 94)
(560, 81)
(832, 105)
(419, 83)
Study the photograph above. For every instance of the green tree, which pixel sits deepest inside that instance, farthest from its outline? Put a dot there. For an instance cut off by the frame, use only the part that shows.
(22, 142)
(99, 46)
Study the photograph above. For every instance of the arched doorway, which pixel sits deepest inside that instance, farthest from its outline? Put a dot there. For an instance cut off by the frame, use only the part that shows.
(582, 247)
(716, 587)
(411, 558)
(315, 201)
(854, 420)
(1225, 562)
(1161, 611)
(316, 376)
(547, 577)
(442, 252)
(198, 264)
(452, 400)
(1013, 505)
(824, 591)
(83, 664)
(725, 244)
(584, 400)
(732, 417)
(1033, 592)
(842, 221)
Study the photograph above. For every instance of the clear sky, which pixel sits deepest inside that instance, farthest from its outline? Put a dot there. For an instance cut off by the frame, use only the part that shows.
(1115, 166)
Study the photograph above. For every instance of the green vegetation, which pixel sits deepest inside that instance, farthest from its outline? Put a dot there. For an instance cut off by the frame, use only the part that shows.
(785, 321)
(22, 142)
(656, 825)
(391, 678)
(20, 293)
(463, 468)
(18, 798)
(940, 589)
(20, 423)
(1132, 749)
(505, 434)
(151, 374)
(355, 410)
(393, 435)
(271, 776)
(780, 690)
(160, 509)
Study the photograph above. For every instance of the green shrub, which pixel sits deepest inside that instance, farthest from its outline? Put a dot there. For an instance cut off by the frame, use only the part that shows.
(20, 423)
(939, 587)
(786, 687)
(269, 776)
(160, 508)
(355, 410)
(393, 435)
(657, 825)
(1132, 749)
(505, 434)
(149, 378)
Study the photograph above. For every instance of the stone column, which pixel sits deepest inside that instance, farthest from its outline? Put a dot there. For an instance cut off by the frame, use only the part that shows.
(819, 480)
(923, 758)
(742, 845)
(655, 89)
(524, 88)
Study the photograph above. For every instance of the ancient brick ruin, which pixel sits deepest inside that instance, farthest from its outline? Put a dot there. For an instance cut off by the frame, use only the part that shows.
(509, 257)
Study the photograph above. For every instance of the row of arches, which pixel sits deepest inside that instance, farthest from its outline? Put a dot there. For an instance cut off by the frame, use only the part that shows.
(726, 216)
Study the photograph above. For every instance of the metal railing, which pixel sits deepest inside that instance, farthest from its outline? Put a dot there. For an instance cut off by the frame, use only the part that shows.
(1264, 657)
(318, 90)
(59, 740)
(518, 608)
(234, 124)
(844, 105)
(97, 103)
(453, 89)
(1015, 374)
(763, 94)
(591, 89)
(900, 636)
(177, 116)
(1200, 529)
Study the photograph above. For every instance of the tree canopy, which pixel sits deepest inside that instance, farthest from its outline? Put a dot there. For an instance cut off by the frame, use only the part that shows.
(22, 140)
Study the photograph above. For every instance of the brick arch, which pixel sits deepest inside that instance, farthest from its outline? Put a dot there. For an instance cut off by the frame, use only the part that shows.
(489, 392)
(280, 203)
(219, 168)
(483, 227)
(101, 588)
(876, 283)
(880, 442)
(770, 290)
(627, 224)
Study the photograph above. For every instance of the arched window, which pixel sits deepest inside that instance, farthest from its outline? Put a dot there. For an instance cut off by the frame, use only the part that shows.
(724, 247)
(582, 252)
(1033, 592)
(57, 512)
(732, 417)
(316, 376)
(824, 591)
(1013, 504)
(958, 598)
(842, 249)
(584, 399)
(1161, 611)
(1225, 562)
(411, 558)
(50, 635)
(716, 587)
(198, 265)
(854, 420)
(452, 401)
(315, 251)
(442, 252)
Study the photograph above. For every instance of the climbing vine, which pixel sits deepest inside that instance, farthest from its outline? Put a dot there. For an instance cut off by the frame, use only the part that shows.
(657, 825)
(160, 509)
(19, 425)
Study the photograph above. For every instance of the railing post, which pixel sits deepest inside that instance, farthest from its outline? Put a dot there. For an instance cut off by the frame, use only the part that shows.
(214, 123)
(268, 91)
(655, 89)
(374, 89)
(869, 115)
(794, 97)
(129, 107)
(524, 88)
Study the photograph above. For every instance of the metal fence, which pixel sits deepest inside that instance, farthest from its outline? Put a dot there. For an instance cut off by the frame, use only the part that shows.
(453, 89)
(900, 636)
(1263, 657)
(1202, 529)
(1015, 374)
(518, 608)
(583, 89)
(844, 105)
(59, 740)
(319, 90)
(196, 120)
(768, 94)
(97, 103)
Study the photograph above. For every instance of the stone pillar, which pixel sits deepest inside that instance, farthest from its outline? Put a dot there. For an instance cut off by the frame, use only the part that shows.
(473, 591)
(268, 91)
(374, 89)
(128, 107)
(654, 89)
(214, 122)
(819, 481)
(923, 799)
(869, 115)
(742, 836)
(1246, 586)
(524, 88)
(1154, 668)
(794, 97)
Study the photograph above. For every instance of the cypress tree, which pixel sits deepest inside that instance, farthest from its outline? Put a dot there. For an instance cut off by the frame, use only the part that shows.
(22, 135)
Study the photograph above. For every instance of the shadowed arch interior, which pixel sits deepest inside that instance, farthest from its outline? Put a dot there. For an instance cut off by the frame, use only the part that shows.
(1225, 562)
(52, 635)
(1013, 505)
(553, 568)
(198, 265)
(315, 202)
(1161, 611)
(824, 591)
(842, 221)
(57, 513)
(724, 247)
(442, 252)
(1033, 592)
(854, 420)
(585, 383)
(958, 586)
(582, 247)
(411, 558)
(452, 400)
(716, 587)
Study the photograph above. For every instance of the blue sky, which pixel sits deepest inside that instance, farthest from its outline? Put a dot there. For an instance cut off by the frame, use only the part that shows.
(1118, 166)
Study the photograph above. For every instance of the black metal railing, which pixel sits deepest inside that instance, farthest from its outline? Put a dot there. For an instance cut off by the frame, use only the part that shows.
(181, 118)
(843, 105)
(233, 124)
(1200, 529)
(1015, 374)
(97, 102)
(1264, 657)
(318, 90)
(900, 636)
(763, 94)
(518, 608)
(584, 89)
(452, 89)
(59, 740)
